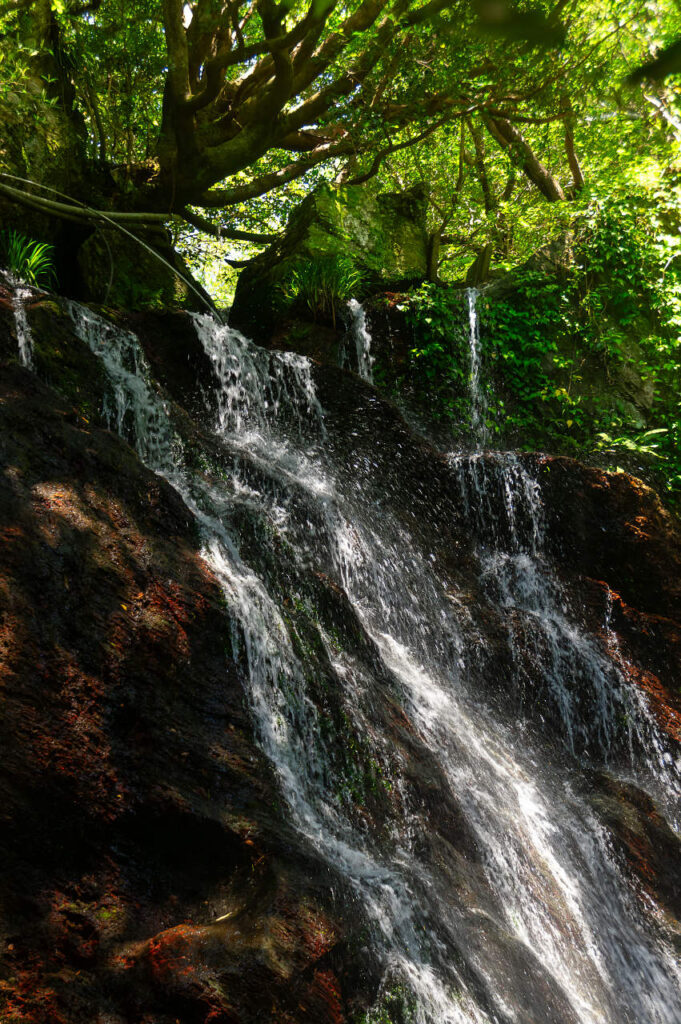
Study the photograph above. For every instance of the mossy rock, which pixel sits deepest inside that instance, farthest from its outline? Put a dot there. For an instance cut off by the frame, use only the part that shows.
(384, 235)
(40, 142)
(119, 271)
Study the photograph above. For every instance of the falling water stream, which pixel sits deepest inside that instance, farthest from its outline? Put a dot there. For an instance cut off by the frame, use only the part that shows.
(24, 336)
(542, 925)
(359, 332)
(478, 400)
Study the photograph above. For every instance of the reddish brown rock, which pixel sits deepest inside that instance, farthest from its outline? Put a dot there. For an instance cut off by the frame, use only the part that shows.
(134, 804)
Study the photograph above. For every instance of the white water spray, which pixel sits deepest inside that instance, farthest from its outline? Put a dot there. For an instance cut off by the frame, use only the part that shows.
(24, 337)
(546, 926)
(478, 401)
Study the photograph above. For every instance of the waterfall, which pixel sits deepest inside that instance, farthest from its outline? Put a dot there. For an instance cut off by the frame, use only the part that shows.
(362, 339)
(581, 683)
(539, 925)
(478, 400)
(24, 336)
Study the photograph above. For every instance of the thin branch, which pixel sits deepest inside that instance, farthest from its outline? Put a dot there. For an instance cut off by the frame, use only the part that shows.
(218, 231)
(394, 148)
(80, 212)
(267, 182)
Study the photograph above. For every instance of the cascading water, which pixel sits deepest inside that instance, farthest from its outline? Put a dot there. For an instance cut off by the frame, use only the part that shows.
(360, 334)
(478, 401)
(24, 336)
(539, 924)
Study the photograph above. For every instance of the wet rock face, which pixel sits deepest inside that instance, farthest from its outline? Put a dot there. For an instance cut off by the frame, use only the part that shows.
(613, 527)
(152, 872)
(136, 806)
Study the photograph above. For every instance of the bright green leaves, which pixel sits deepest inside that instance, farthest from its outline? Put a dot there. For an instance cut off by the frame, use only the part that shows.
(28, 260)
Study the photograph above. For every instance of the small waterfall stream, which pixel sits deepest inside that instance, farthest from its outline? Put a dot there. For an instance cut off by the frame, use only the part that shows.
(359, 332)
(541, 926)
(24, 336)
(478, 399)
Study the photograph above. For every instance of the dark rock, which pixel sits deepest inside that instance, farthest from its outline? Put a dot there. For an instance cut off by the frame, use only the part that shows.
(120, 271)
(613, 527)
(136, 808)
(151, 873)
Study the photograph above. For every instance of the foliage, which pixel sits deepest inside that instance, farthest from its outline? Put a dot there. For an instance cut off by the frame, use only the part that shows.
(611, 318)
(208, 259)
(515, 134)
(188, 107)
(27, 259)
(438, 359)
(323, 285)
(565, 347)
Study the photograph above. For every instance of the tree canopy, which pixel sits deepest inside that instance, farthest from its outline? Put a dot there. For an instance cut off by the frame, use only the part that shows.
(217, 113)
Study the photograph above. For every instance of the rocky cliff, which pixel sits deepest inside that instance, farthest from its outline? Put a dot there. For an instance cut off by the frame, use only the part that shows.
(156, 867)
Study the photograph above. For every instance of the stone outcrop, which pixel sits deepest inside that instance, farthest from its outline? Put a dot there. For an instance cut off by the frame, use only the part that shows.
(147, 873)
(382, 235)
(121, 272)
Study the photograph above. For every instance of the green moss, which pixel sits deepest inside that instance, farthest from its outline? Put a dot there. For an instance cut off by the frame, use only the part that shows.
(396, 1005)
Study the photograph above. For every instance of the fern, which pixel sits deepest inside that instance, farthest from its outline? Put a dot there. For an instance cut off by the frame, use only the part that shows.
(27, 259)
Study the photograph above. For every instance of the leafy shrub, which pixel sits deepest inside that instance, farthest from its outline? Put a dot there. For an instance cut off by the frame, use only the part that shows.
(323, 285)
(27, 259)
(438, 359)
(618, 303)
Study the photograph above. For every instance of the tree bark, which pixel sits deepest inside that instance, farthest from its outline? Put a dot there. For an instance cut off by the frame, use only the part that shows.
(489, 198)
(570, 151)
(512, 140)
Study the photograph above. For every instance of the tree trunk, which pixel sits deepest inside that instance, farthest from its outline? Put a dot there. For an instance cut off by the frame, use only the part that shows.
(481, 170)
(434, 241)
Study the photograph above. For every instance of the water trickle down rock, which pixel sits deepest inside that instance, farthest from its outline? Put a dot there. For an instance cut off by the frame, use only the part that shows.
(477, 396)
(20, 296)
(359, 332)
(375, 652)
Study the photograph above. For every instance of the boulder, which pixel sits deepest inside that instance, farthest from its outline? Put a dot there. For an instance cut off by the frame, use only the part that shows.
(117, 270)
(382, 236)
(109, 267)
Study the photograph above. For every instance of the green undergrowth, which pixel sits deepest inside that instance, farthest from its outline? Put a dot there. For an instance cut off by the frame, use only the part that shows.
(581, 359)
(322, 286)
(27, 259)
(437, 371)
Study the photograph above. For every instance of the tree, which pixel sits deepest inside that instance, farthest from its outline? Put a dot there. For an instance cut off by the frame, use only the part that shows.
(192, 109)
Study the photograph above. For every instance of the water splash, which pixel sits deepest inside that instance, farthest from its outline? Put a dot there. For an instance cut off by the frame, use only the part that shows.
(132, 408)
(545, 924)
(257, 387)
(24, 336)
(576, 678)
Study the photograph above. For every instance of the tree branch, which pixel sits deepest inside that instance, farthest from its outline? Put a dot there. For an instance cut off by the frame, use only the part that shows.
(509, 138)
(394, 148)
(267, 182)
(217, 231)
(76, 212)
